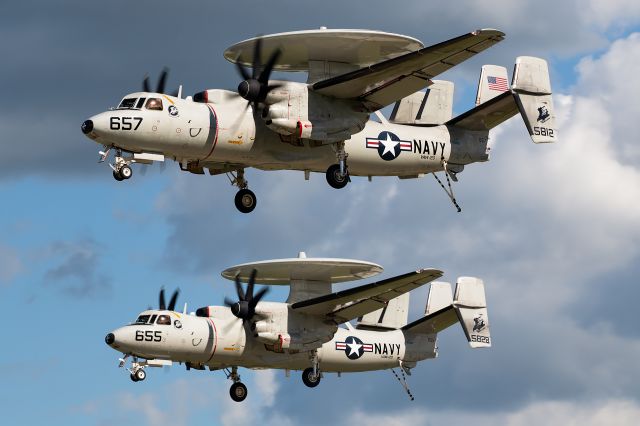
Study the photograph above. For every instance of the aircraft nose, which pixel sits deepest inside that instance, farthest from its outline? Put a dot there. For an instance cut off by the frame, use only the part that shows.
(87, 127)
(109, 339)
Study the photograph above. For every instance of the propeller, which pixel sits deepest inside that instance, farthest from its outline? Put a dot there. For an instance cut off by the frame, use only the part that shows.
(255, 86)
(162, 81)
(172, 301)
(245, 307)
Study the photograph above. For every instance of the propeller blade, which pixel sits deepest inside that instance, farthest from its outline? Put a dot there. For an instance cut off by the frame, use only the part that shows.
(163, 80)
(259, 295)
(266, 72)
(274, 86)
(257, 58)
(242, 70)
(250, 284)
(239, 289)
(174, 298)
(145, 84)
(228, 302)
(162, 306)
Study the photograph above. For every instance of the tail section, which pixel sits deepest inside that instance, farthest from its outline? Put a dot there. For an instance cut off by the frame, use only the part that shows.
(394, 315)
(529, 95)
(468, 307)
(532, 90)
(434, 106)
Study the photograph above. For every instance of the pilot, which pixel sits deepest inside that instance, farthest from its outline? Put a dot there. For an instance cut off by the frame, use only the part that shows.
(154, 103)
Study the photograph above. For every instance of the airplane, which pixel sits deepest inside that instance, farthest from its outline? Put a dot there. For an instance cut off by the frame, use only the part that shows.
(312, 331)
(325, 125)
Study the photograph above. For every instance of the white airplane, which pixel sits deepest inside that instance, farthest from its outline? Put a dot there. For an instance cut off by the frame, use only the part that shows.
(324, 125)
(311, 332)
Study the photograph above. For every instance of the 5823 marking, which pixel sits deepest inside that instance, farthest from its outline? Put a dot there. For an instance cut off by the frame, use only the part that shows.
(124, 123)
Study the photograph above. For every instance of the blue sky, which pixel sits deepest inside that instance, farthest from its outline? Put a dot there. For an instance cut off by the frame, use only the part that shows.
(553, 230)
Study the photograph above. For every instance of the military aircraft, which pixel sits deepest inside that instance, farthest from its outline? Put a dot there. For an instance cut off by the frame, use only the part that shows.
(326, 125)
(312, 331)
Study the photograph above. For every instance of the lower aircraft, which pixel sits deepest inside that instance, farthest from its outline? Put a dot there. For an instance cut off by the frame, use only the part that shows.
(312, 331)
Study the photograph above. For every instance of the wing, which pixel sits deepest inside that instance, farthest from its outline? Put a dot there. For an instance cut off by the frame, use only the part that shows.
(383, 83)
(348, 304)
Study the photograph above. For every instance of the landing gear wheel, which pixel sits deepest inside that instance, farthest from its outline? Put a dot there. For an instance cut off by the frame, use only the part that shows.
(238, 391)
(140, 375)
(117, 176)
(310, 379)
(125, 172)
(245, 200)
(133, 377)
(336, 179)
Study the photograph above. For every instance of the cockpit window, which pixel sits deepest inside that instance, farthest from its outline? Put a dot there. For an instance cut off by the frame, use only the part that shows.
(127, 103)
(142, 319)
(153, 318)
(140, 103)
(164, 320)
(154, 104)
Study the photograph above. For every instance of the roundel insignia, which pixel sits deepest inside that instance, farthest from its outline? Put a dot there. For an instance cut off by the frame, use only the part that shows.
(173, 111)
(353, 347)
(388, 145)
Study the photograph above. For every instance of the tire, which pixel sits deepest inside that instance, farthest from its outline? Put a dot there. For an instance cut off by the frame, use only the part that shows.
(238, 392)
(335, 179)
(125, 172)
(117, 176)
(133, 377)
(309, 379)
(245, 200)
(140, 375)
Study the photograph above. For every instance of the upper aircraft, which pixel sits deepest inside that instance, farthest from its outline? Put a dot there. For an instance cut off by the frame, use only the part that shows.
(325, 125)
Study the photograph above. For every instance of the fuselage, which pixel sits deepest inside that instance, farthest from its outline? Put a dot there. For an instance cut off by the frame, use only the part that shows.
(223, 341)
(224, 134)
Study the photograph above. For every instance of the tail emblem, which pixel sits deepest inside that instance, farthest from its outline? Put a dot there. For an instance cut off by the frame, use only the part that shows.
(479, 323)
(543, 114)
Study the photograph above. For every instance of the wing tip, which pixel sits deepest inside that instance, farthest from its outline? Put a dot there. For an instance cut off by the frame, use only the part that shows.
(489, 32)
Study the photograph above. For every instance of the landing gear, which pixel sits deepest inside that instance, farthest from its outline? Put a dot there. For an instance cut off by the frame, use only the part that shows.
(245, 199)
(335, 178)
(238, 390)
(311, 378)
(338, 174)
(125, 172)
(121, 165)
(138, 375)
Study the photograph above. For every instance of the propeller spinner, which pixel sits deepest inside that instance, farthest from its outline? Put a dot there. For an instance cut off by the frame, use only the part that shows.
(245, 307)
(255, 86)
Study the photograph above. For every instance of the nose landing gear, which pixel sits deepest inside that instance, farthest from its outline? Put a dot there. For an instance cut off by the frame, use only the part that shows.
(121, 166)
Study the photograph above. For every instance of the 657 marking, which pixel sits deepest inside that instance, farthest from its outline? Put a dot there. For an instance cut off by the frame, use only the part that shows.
(124, 123)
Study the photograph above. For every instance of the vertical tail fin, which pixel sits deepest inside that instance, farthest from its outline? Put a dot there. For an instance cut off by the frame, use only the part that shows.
(532, 90)
(393, 315)
(493, 82)
(471, 306)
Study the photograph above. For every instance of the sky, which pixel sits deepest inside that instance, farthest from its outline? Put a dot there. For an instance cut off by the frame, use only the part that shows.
(554, 230)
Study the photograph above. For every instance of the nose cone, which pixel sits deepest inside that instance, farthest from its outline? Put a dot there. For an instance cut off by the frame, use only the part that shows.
(109, 339)
(87, 127)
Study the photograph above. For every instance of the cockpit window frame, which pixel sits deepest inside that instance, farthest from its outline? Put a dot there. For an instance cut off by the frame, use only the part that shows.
(142, 319)
(130, 105)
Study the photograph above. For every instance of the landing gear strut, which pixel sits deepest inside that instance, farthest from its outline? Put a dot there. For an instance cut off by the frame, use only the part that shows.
(245, 199)
(311, 376)
(121, 165)
(238, 390)
(136, 371)
(338, 174)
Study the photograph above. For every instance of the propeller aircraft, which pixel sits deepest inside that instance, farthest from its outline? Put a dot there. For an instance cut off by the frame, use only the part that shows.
(325, 125)
(312, 331)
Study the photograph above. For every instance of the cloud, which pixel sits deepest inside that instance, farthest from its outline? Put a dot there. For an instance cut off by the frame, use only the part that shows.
(77, 269)
(10, 264)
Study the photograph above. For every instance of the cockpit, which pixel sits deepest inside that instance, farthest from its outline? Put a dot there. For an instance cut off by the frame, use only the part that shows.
(154, 104)
(149, 319)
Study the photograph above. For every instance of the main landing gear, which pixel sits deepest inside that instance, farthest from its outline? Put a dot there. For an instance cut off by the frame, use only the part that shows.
(311, 376)
(245, 199)
(238, 390)
(338, 174)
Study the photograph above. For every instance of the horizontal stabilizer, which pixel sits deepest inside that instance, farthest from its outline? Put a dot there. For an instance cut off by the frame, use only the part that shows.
(487, 115)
